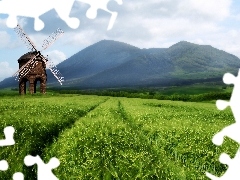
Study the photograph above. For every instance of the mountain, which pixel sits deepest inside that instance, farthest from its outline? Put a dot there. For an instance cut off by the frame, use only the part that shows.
(108, 64)
(96, 58)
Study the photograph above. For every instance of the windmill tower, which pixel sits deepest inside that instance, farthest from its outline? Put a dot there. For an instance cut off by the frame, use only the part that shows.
(32, 65)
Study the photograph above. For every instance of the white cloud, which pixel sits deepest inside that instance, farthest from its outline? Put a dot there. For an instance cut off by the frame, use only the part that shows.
(83, 38)
(5, 70)
(191, 9)
(3, 23)
(145, 24)
(6, 36)
(56, 56)
(205, 9)
(5, 39)
(22, 21)
(227, 41)
(150, 24)
(154, 18)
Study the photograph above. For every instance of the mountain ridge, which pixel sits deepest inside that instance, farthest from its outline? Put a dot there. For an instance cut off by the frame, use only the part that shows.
(109, 63)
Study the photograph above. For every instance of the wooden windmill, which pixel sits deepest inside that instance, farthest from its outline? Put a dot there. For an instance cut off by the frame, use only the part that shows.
(32, 65)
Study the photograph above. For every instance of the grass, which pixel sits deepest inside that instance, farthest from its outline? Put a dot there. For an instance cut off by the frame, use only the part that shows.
(192, 93)
(195, 89)
(38, 121)
(97, 137)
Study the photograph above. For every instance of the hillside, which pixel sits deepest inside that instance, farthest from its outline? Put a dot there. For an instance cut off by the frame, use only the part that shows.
(97, 58)
(115, 64)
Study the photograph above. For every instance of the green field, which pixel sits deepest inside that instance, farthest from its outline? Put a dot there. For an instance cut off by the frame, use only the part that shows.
(99, 137)
(196, 89)
(197, 92)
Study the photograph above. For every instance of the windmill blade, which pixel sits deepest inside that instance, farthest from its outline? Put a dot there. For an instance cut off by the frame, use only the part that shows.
(32, 64)
(25, 69)
(25, 38)
(43, 58)
(52, 38)
(54, 70)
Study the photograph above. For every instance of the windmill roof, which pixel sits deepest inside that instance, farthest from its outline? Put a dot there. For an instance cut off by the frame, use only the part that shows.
(28, 55)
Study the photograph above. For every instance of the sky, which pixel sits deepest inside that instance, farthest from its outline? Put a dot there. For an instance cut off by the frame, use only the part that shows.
(144, 24)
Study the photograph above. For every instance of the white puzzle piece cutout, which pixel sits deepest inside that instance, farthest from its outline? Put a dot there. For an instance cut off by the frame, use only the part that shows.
(100, 4)
(18, 176)
(8, 132)
(232, 131)
(233, 172)
(44, 171)
(8, 141)
(3, 165)
(36, 8)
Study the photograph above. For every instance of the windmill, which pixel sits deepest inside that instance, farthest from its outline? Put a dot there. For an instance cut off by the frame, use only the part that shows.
(32, 65)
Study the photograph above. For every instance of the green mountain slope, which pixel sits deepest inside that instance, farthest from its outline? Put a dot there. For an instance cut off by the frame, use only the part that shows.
(115, 64)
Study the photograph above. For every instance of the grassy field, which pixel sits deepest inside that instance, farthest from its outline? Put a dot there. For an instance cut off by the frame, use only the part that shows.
(196, 89)
(97, 137)
(192, 93)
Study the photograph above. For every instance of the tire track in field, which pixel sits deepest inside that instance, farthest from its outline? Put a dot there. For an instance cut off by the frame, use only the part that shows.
(71, 122)
(168, 164)
(48, 138)
(147, 145)
(127, 118)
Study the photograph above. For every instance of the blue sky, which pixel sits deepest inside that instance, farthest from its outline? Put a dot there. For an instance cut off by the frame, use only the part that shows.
(145, 24)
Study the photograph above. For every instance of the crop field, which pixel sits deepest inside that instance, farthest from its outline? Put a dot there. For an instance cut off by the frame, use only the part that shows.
(100, 137)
